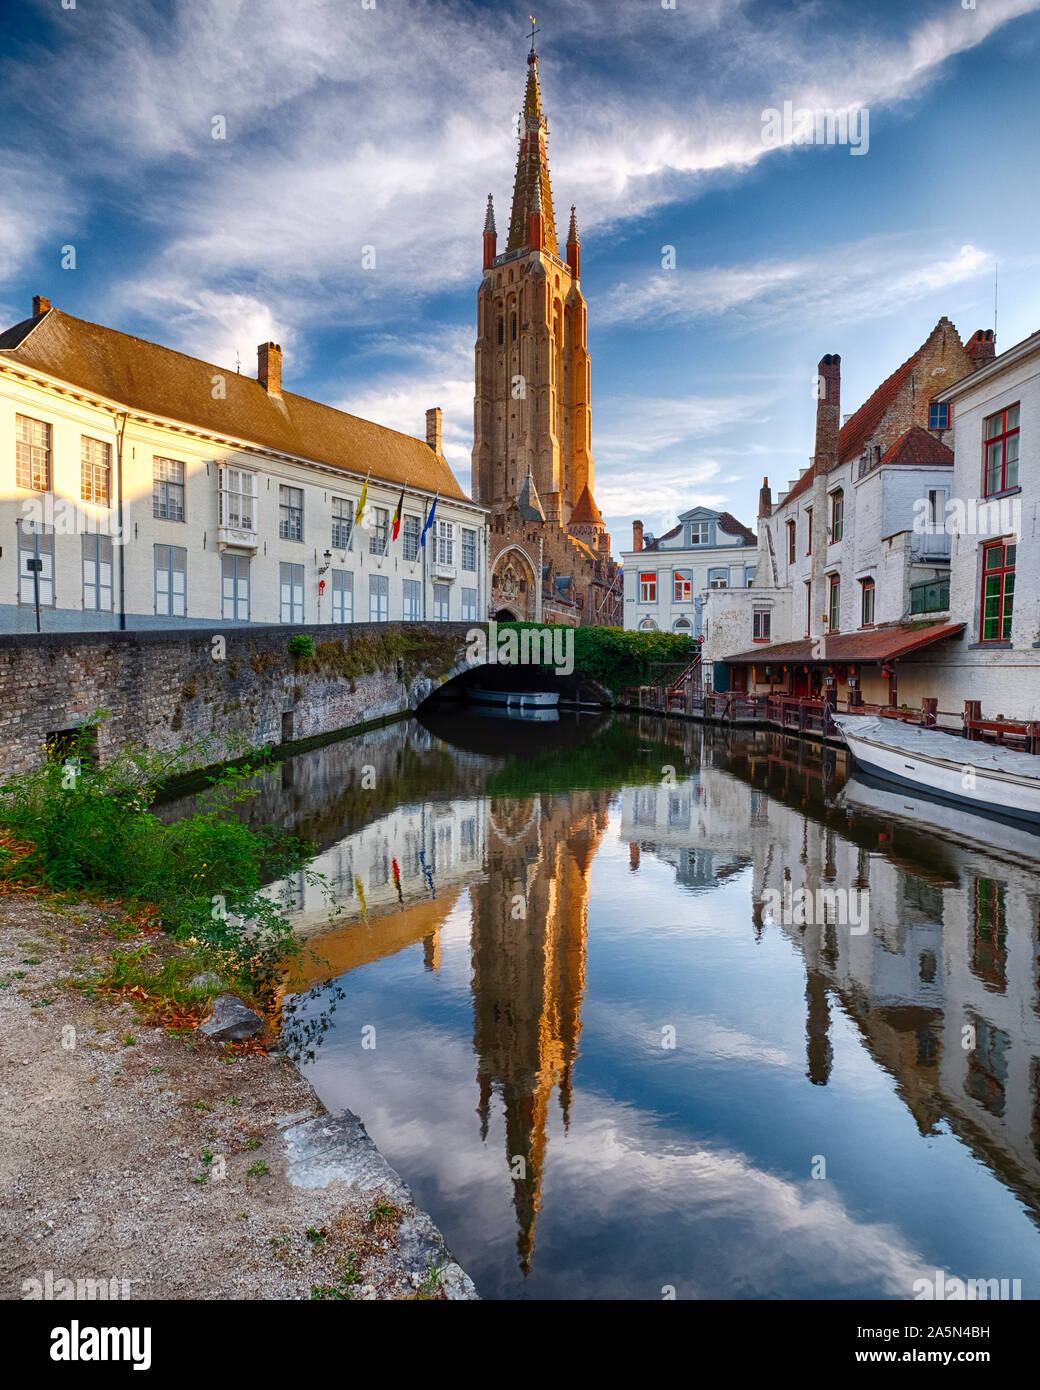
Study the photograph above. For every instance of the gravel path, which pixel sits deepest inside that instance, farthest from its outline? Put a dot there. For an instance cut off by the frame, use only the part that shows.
(171, 1164)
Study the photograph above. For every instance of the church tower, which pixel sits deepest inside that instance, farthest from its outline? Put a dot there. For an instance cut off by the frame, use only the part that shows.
(531, 410)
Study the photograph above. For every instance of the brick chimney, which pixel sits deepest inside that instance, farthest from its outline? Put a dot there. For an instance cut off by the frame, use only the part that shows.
(828, 413)
(765, 499)
(269, 368)
(434, 418)
(982, 347)
(637, 535)
(40, 305)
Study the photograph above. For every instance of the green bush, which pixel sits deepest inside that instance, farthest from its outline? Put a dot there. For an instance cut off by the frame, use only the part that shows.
(301, 646)
(92, 829)
(616, 658)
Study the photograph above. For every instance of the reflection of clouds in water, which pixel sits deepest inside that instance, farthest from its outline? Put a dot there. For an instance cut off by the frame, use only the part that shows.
(757, 1233)
(700, 1035)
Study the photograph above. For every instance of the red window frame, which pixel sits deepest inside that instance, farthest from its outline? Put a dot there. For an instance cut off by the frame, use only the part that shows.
(792, 542)
(837, 515)
(808, 523)
(757, 624)
(648, 586)
(867, 587)
(833, 604)
(998, 591)
(808, 607)
(996, 445)
(682, 586)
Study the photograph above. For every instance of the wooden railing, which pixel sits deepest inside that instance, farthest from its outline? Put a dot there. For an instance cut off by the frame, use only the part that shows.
(812, 715)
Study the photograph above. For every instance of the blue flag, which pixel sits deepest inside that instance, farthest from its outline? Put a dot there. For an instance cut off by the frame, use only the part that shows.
(428, 522)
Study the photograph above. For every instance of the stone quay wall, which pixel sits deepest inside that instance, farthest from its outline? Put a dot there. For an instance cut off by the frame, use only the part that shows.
(226, 692)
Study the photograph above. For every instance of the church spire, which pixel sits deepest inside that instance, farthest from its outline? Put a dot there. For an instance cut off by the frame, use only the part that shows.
(574, 245)
(490, 235)
(532, 169)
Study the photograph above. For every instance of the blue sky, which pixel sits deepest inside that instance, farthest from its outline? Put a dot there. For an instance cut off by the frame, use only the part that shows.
(349, 127)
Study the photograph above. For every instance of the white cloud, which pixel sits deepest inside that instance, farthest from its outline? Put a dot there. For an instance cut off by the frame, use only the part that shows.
(36, 211)
(867, 279)
(350, 127)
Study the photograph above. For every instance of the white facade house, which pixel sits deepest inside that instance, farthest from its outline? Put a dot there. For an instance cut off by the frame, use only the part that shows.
(141, 488)
(992, 518)
(666, 578)
(853, 573)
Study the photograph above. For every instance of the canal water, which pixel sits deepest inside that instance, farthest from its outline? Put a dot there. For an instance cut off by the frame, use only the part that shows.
(578, 1008)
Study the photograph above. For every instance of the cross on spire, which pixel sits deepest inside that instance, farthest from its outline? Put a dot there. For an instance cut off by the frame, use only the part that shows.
(534, 30)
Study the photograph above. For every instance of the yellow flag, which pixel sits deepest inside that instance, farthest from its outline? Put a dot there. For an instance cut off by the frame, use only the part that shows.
(361, 504)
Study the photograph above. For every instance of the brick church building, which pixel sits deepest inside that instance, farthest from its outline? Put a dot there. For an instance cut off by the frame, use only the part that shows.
(532, 461)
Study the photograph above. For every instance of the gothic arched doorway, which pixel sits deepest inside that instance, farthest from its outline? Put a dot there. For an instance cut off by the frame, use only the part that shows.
(513, 594)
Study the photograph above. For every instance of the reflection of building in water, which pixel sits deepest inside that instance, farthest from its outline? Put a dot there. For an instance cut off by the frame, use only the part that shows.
(525, 863)
(528, 940)
(951, 957)
(413, 853)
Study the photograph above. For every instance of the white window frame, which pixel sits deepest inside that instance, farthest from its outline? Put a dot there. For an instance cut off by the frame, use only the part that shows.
(342, 596)
(163, 480)
(95, 465)
(342, 522)
(412, 601)
(28, 549)
(469, 605)
(234, 604)
(174, 599)
(237, 498)
(469, 550)
(290, 592)
(378, 598)
(290, 513)
(379, 536)
(33, 450)
(412, 529)
(445, 553)
(97, 572)
(441, 603)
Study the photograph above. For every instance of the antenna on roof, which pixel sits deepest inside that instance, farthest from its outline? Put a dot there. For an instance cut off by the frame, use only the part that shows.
(996, 268)
(238, 362)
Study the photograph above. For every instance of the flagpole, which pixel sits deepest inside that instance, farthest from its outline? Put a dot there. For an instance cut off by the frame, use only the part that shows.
(360, 512)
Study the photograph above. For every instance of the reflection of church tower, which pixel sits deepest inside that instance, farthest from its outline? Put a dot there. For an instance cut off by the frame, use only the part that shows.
(529, 977)
(531, 412)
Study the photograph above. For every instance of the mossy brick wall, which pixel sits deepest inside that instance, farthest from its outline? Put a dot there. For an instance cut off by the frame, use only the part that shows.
(164, 689)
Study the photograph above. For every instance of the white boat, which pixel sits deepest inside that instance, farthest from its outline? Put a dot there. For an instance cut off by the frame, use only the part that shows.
(978, 776)
(520, 699)
(994, 834)
(540, 716)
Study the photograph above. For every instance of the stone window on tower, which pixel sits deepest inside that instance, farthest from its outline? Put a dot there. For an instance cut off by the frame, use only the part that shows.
(512, 328)
(501, 332)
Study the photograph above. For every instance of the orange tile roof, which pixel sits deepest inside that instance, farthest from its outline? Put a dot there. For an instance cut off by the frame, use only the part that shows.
(157, 381)
(879, 644)
(860, 426)
(919, 446)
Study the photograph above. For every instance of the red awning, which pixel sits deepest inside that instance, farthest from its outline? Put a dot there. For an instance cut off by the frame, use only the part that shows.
(877, 645)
